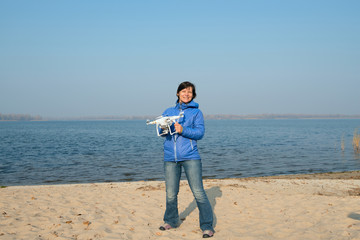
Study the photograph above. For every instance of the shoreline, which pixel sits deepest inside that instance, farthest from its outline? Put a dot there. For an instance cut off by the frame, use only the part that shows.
(355, 174)
(301, 206)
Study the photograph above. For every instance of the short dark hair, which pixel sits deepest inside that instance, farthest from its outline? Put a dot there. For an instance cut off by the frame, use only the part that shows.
(184, 85)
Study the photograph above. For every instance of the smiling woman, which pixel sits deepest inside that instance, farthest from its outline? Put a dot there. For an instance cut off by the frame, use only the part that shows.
(181, 152)
(186, 92)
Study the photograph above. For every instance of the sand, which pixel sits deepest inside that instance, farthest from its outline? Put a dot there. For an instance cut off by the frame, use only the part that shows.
(286, 207)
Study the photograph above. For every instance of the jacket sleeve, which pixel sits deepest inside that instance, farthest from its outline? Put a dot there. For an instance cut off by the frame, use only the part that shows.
(197, 131)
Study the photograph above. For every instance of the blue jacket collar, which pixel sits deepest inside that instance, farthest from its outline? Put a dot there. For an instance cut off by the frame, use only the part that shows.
(184, 106)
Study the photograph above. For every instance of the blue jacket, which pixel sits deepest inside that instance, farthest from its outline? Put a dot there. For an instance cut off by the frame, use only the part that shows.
(181, 147)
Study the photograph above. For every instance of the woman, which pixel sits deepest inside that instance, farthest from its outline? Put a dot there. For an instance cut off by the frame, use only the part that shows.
(180, 151)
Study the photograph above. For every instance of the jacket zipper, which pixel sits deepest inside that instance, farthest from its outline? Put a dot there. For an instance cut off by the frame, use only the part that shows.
(192, 147)
(175, 148)
(175, 138)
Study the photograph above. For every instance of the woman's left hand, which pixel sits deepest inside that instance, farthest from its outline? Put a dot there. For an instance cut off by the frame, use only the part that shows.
(178, 127)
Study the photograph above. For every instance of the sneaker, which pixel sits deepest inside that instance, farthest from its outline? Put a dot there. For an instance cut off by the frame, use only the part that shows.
(208, 234)
(165, 227)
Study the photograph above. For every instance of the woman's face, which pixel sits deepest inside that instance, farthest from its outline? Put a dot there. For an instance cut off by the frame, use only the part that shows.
(185, 95)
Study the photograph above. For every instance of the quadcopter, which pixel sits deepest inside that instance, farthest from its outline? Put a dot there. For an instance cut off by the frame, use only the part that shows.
(165, 123)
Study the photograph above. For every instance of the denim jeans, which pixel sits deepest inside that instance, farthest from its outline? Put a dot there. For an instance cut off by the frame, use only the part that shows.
(193, 171)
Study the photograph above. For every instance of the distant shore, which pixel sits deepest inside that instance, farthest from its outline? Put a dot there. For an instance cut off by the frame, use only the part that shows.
(26, 117)
(282, 116)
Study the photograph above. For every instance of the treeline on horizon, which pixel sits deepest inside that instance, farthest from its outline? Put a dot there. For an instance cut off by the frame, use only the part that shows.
(282, 116)
(28, 117)
(19, 117)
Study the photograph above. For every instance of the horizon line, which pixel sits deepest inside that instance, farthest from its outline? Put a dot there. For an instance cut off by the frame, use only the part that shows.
(28, 117)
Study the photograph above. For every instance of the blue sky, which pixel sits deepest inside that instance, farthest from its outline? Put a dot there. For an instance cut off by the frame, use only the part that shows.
(96, 58)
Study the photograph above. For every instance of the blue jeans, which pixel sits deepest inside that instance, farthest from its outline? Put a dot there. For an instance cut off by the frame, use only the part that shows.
(193, 171)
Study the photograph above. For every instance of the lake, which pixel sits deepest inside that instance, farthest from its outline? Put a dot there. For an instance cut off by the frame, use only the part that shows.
(63, 152)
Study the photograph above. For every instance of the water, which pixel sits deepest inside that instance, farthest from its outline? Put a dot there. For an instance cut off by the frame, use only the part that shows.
(33, 153)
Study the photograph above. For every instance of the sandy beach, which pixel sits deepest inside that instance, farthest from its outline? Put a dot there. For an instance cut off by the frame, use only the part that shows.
(313, 206)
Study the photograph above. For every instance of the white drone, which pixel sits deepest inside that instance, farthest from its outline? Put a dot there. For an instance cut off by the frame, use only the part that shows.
(165, 123)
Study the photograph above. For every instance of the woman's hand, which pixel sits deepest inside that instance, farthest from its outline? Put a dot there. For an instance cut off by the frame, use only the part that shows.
(178, 127)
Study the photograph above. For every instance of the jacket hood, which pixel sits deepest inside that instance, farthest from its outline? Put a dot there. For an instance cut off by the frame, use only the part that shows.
(183, 106)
